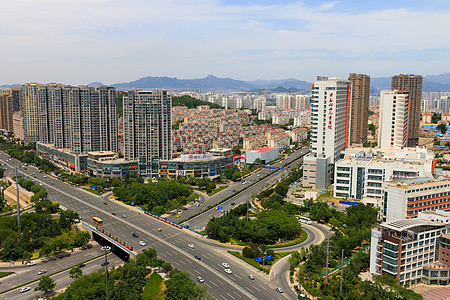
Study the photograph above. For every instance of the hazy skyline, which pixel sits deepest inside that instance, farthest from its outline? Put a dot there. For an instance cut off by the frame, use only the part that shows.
(111, 41)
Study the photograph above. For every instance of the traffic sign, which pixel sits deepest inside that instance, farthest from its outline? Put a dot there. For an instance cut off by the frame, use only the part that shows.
(269, 257)
(258, 259)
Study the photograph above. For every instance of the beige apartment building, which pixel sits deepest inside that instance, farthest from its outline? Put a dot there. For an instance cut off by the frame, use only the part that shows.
(359, 106)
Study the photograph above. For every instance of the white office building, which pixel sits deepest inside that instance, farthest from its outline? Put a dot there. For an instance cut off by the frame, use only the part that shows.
(361, 172)
(393, 131)
(330, 128)
(408, 197)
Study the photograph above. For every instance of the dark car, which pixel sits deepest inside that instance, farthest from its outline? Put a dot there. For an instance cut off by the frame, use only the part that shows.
(198, 257)
(106, 203)
(135, 235)
(105, 263)
(114, 213)
(232, 203)
(81, 265)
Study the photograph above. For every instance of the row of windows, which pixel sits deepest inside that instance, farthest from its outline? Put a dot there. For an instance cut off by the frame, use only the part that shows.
(428, 188)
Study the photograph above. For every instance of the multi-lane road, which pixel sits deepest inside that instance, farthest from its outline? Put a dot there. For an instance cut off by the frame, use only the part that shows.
(171, 243)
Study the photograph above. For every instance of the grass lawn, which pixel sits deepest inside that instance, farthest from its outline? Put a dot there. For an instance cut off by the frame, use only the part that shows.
(152, 287)
(294, 242)
(236, 242)
(3, 274)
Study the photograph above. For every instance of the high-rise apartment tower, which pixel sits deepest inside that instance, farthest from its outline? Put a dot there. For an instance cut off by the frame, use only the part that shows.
(147, 124)
(359, 105)
(413, 84)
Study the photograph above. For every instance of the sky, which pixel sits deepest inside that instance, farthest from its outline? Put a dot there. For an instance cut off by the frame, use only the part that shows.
(111, 41)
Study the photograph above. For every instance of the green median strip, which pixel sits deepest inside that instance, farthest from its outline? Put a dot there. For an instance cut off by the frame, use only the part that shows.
(3, 274)
(51, 274)
(249, 261)
(296, 242)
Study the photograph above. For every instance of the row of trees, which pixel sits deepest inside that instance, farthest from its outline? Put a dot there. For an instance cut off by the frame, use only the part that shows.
(40, 232)
(191, 102)
(269, 227)
(26, 155)
(128, 281)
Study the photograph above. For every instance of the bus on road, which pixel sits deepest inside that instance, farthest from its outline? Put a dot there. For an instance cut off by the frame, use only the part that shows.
(304, 220)
(97, 221)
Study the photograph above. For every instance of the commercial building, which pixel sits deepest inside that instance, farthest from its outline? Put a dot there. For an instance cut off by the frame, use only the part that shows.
(412, 250)
(108, 164)
(30, 112)
(64, 158)
(406, 198)
(359, 107)
(265, 155)
(209, 164)
(147, 124)
(361, 172)
(394, 121)
(413, 84)
(330, 128)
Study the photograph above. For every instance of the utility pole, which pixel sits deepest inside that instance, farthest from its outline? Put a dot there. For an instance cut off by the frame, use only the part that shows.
(106, 249)
(18, 204)
(328, 253)
(247, 209)
(342, 270)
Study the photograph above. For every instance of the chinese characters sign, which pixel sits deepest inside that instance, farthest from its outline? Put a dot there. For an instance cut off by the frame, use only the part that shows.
(330, 111)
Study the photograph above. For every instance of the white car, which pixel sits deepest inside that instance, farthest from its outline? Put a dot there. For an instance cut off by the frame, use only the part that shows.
(225, 265)
(31, 263)
(279, 290)
(201, 280)
(42, 272)
(25, 289)
(142, 243)
(191, 246)
(228, 271)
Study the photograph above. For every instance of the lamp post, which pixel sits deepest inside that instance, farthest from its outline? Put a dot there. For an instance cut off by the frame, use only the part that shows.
(106, 249)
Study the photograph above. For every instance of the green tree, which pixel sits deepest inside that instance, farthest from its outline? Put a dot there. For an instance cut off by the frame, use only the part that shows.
(442, 127)
(372, 128)
(435, 118)
(236, 175)
(180, 287)
(45, 284)
(75, 273)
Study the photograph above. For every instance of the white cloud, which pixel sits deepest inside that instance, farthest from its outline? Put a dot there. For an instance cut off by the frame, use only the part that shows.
(111, 40)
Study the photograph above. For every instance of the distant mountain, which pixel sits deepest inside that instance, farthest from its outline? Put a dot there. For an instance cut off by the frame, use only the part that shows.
(209, 82)
(431, 83)
(277, 90)
(95, 84)
(285, 83)
(10, 86)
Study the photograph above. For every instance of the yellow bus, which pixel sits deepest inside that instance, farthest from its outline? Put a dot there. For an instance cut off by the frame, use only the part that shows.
(97, 221)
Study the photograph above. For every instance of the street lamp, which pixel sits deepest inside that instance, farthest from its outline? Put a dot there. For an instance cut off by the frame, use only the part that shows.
(106, 249)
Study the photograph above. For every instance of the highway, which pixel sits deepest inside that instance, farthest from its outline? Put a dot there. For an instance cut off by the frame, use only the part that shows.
(25, 273)
(62, 279)
(259, 183)
(171, 243)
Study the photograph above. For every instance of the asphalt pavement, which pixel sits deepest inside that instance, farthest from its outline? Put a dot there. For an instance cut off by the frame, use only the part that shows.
(62, 279)
(171, 243)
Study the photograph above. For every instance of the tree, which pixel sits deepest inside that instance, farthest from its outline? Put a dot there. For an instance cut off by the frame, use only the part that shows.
(75, 273)
(442, 127)
(372, 128)
(45, 284)
(236, 175)
(435, 118)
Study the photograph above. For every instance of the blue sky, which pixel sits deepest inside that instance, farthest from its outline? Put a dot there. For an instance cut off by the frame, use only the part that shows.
(81, 41)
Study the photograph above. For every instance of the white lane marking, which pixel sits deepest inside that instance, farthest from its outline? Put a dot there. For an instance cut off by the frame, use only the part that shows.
(230, 296)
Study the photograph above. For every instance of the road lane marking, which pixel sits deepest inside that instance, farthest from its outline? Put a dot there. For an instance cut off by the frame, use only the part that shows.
(230, 296)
